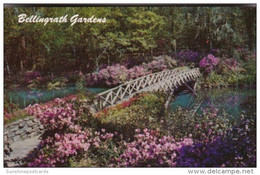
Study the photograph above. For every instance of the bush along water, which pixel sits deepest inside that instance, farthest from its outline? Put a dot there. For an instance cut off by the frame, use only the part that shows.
(75, 137)
(224, 71)
(116, 74)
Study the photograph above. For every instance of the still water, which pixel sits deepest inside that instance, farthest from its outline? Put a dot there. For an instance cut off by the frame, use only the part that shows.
(233, 100)
(24, 97)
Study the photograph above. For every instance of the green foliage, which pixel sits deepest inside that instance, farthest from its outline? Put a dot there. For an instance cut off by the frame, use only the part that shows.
(12, 112)
(242, 74)
(182, 123)
(57, 83)
(250, 76)
(146, 112)
(214, 80)
(129, 31)
(81, 84)
(16, 115)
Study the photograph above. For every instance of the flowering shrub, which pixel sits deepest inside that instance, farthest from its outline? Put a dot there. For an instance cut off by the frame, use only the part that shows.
(234, 148)
(208, 62)
(12, 112)
(58, 150)
(188, 55)
(181, 140)
(149, 149)
(15, 115)
(8, 107)
(131, 62)
(156, 65)
(117, 74)
(137, 71)
(204, 127)
(127, 103)
(109, 76)
(145, 111)
(64, 136)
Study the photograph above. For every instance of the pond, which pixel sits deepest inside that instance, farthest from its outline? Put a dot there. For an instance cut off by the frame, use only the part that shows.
(24, 97)
(233, 100)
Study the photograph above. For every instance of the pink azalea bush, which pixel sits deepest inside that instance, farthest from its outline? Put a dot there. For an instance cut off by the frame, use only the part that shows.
(114, 75)
(64, 135)
(136, 72)
(209, 62)
(200, 141)
(58, 150)
(109, 76)
(156, 65)
(149, 149)
(117, 74)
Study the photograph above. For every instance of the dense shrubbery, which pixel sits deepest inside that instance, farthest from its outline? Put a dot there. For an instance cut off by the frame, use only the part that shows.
(128, 32)
(188, 55)
(234, 148)
(219, 71)
(64, 136)
(114, 75)
(200, 127)
(12, 112)
(149, 149)
(232, 72)
(73, 137)
(138, 112)
(35, 80)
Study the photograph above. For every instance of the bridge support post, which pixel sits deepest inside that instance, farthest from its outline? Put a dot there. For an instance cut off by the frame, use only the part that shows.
(193, 90)
(195, 86)
(167, 103)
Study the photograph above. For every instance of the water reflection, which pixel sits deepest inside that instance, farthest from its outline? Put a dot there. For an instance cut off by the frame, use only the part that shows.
(233, 101)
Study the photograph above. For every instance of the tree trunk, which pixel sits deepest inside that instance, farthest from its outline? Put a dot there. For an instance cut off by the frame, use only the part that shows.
(21, 65)
(23, 53)
(7, 67)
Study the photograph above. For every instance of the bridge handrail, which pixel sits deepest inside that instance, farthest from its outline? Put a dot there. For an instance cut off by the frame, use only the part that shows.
(151, 81)
(133, 80)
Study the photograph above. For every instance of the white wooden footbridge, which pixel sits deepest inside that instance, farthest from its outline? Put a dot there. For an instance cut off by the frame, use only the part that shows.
(166, 81)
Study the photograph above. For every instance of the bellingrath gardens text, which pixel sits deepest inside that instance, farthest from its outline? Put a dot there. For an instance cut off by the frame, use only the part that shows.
(23, 18)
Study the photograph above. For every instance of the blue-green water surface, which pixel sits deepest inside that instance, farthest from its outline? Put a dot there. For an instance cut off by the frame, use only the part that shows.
(233, 101)
(25, 97)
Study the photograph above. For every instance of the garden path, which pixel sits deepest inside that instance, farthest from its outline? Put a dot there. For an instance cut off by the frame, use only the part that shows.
(21, 150)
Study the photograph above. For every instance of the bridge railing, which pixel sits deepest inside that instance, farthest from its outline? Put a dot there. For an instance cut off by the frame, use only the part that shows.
(174, 81)
(155, 81)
